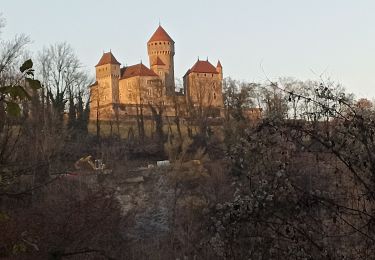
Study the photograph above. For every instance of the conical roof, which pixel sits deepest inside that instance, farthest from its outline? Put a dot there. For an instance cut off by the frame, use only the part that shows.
(158, 62)
(160, 35)
(107, 58)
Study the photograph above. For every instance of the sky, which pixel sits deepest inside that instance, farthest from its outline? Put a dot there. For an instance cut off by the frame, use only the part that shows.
(255, 40)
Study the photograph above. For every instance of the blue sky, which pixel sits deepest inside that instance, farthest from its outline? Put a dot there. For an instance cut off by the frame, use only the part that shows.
(253, 39)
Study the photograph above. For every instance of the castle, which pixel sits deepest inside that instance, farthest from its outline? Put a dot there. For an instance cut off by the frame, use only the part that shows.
(125, 92)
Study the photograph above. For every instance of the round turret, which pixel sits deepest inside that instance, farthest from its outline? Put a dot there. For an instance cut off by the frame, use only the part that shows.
(160, 49)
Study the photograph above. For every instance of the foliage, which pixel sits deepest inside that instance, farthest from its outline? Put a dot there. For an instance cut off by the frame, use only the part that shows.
(12, 95)
(305, 184)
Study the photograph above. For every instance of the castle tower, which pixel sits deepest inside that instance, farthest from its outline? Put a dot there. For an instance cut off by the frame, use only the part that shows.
(160, 49)
(219, 69)
(107, 77)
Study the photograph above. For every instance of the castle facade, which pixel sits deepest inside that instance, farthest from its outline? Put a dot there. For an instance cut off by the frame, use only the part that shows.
(125, 92)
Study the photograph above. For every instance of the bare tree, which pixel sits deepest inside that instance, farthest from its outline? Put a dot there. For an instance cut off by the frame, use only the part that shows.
(65, 81)
(62, 74)
(200, 104)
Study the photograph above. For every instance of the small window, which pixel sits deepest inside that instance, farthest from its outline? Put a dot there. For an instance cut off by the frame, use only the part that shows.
(214, 95)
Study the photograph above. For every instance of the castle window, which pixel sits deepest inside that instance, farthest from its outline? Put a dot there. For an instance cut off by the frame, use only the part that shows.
(214, 95)
(159, 43)
(205, 74)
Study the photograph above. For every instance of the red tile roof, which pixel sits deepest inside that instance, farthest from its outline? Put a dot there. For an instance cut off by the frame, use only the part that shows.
(160, 35)
(136, 70)
(158, 62)
(219, 64)
(107, 58)
(203, 67)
